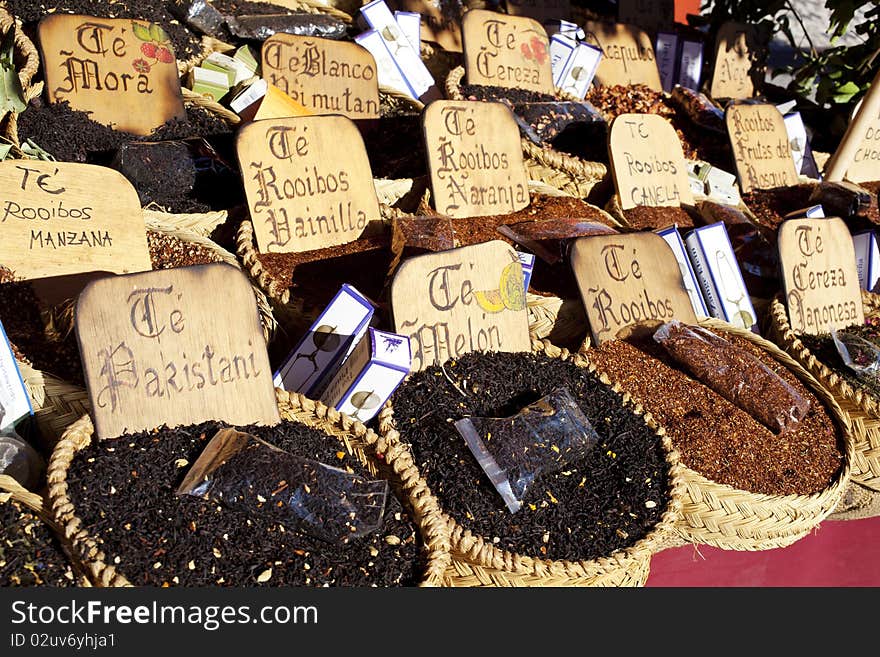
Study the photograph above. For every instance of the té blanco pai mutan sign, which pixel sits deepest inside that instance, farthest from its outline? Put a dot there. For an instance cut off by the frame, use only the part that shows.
(324, 75)
(59, 218)
(647, 162)
(627, 280)
(506, 51)
(308, 182)
(819, 275)
(123, 72)
(475, 158)
(461, 301)
(157, 349)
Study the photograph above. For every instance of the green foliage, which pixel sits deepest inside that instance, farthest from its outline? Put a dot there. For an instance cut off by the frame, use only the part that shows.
(836, 77)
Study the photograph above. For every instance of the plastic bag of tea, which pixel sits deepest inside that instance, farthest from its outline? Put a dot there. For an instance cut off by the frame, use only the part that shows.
(735, 374)
(542, 438)
(243, 472)
(860, 355)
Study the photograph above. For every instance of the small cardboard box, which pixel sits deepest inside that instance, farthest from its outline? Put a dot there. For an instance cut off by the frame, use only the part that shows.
(717, 270)
(330, 339)
(867, 258)
(691, 284)
(15, 402)
(580, 69)
(366, 380)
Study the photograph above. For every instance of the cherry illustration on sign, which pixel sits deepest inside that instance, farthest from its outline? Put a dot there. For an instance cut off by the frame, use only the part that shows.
(122, 72)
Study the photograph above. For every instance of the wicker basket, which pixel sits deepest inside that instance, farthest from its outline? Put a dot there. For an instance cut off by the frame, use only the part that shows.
(572, 175)
(39, 505)
(862, 409)
(732, 519)
(477, 562)
(357, 439)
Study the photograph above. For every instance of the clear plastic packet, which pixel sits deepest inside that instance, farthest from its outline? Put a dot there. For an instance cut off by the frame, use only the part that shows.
(549, 239)
(735, 374)
(243, 472)
(543, 438)
(548, 120)
(21, 461)
(261, 26)
(858, 354)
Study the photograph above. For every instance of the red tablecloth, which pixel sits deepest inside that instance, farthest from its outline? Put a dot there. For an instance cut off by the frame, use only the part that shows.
(837, 553)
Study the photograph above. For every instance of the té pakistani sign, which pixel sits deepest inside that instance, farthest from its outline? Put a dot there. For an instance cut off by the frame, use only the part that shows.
(123, 72)
(308, 182)
(157, 350)
(460, 301)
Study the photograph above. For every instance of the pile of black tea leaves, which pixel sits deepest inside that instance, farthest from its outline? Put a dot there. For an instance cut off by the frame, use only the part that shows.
(124, 491)
(30, 552)
(607, 501)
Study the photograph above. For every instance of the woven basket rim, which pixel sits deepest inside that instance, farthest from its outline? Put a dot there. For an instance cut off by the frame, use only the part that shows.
(839, 387)
(353, 434)
(487, 555)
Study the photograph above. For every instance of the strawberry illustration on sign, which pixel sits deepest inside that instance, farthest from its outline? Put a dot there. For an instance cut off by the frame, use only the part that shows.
(156, 46)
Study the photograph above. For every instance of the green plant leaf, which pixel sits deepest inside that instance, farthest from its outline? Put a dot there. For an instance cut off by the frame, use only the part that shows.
(11, 93)
(141, 31)
(157, 33)
(850, 88)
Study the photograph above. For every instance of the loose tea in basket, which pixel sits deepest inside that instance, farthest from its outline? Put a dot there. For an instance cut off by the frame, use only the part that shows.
(734, 374)
(858, 354)
(542, 438)
(246, 473)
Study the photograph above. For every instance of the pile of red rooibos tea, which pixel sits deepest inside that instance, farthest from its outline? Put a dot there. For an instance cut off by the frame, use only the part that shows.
(124, 490)
(606, 501)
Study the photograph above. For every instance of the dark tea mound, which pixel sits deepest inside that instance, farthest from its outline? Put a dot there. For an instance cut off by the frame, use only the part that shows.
(515, 96)
(30, 553)
(771, 205)
(822, 347)
(168, 252)
(715, 437)
(643, 217)
(124, 492)
(605, 502)
(71, 136)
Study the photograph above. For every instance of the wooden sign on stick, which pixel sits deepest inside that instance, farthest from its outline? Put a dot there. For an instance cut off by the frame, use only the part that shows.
(647, 162)
(651, 15)
(857, 158)
(506, 51)
(123, 72)
(308, 182)
(459, 301)
(761, 148)
(325, 75)
(819, 275)
(157, 349)
(475, 159)
(627, 55)
(626, 280)
(61, 218)
(738, 70)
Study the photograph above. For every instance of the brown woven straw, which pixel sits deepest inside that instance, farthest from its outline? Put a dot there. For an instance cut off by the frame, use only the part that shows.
(571, 174)
(39, 505)
(361, 442)
(861, 407)
(733, 519)
(476, 561)
(562, 322)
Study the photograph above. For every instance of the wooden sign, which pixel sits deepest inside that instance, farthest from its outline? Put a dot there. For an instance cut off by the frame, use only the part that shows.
(441, 20)
(459, 301)
(738, 70)
(857, 157)
(123, 72)
(626, 280)
(506, 51)
(647, 162)
(540, 10)
(819, 275)
(162, 347)
(761, 148)
(61, 218)
(308, 182)
(325, 75)
(628, 55)
(651, 15)
(475, 159)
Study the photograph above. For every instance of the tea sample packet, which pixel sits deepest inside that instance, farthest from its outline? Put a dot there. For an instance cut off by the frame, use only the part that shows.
(542, 438)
